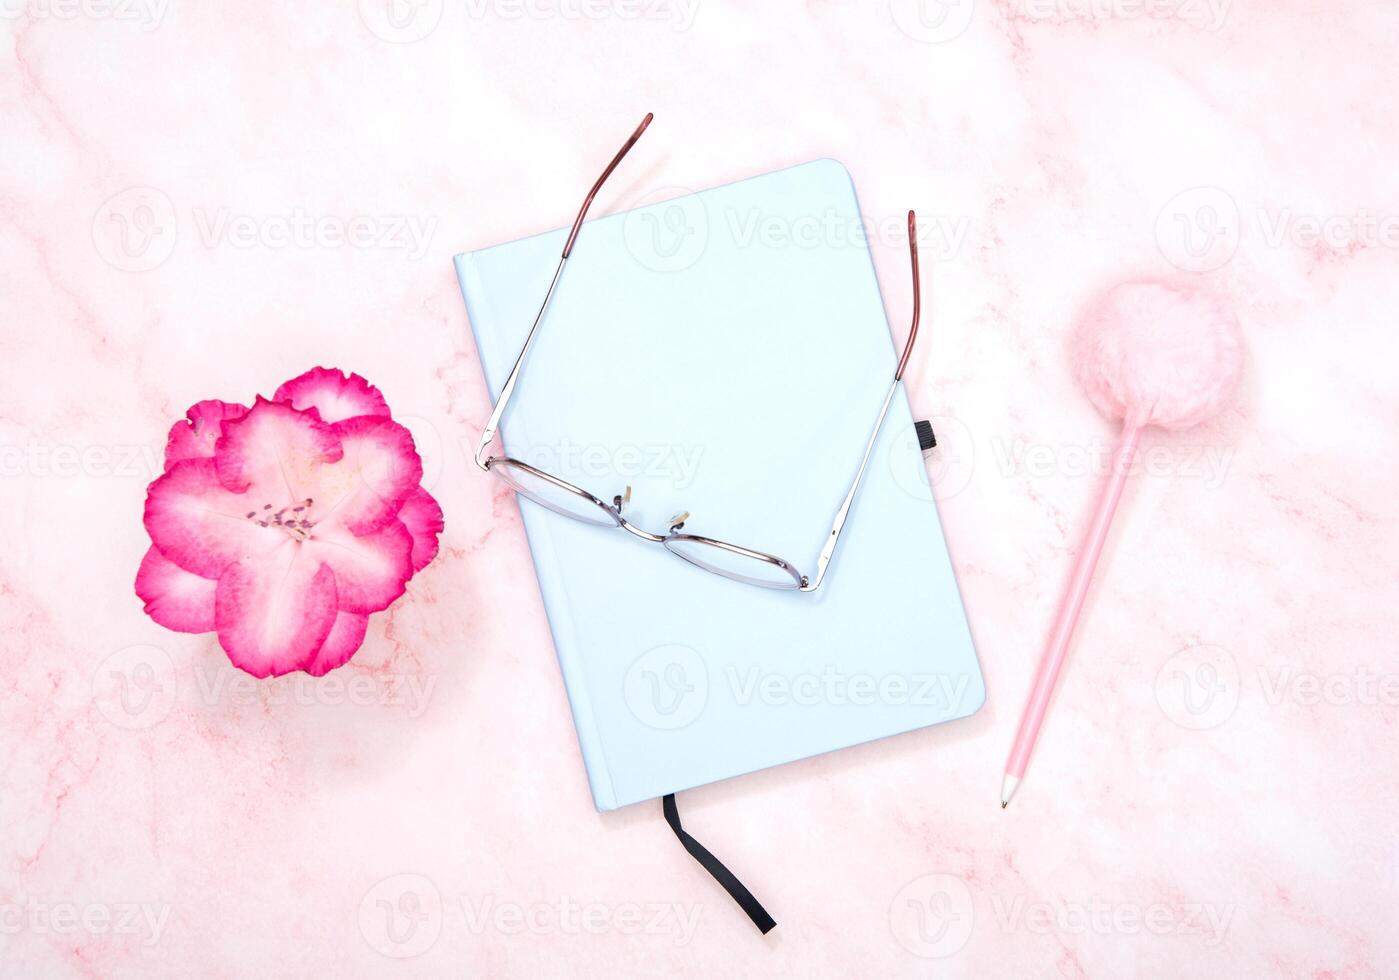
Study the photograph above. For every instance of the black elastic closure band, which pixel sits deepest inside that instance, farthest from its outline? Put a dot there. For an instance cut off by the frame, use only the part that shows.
(926, 439)
(715, 867)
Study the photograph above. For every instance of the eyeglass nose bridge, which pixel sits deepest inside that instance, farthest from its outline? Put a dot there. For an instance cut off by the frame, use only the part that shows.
(619, 503)
(640, 532)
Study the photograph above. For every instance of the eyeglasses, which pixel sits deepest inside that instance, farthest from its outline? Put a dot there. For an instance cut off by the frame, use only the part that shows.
(720, 557)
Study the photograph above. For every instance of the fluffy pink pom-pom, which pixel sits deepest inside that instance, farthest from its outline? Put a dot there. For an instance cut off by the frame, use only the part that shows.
(1158, 353)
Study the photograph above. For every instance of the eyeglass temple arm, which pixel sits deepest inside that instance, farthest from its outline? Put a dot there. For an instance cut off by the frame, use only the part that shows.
(488, 434)
(597, 185)
(829, 550)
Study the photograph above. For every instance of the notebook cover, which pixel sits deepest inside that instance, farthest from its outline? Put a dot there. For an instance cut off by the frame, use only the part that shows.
(724, 353)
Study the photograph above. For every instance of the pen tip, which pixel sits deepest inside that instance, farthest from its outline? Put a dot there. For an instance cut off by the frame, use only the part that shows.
(1004, 804)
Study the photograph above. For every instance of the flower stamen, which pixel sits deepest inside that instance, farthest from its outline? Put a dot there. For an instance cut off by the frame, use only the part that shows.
(299, 527)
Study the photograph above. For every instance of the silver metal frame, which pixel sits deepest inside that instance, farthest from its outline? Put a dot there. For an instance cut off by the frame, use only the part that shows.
(614, 510)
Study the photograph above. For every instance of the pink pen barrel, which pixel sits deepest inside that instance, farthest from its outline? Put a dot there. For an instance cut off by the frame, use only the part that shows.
(1054, 654)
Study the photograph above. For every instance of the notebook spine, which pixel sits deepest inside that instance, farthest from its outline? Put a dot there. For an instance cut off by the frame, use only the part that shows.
(553, 589)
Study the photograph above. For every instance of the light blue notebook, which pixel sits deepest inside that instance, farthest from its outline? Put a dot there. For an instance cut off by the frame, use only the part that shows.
(726, 354)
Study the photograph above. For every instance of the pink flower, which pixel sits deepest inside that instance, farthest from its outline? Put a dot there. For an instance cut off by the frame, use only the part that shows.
(283, 526)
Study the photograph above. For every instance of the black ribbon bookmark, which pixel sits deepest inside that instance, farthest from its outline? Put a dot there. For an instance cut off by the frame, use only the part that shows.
(715, 867)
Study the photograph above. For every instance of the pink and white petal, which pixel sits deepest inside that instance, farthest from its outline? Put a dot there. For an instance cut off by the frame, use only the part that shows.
(275, 453)
(340, 644)
(335, 395)
(371, 570)
(422, 516)
(195, 435)
(198, 524)
(367, 486)
(175, 598)
(274, 613)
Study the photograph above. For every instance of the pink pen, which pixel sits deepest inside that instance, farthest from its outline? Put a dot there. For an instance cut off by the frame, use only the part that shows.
(1053, 659)
(1149, 353)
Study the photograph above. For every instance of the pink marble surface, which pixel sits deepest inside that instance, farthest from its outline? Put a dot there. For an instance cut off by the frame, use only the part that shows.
(202, 199)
